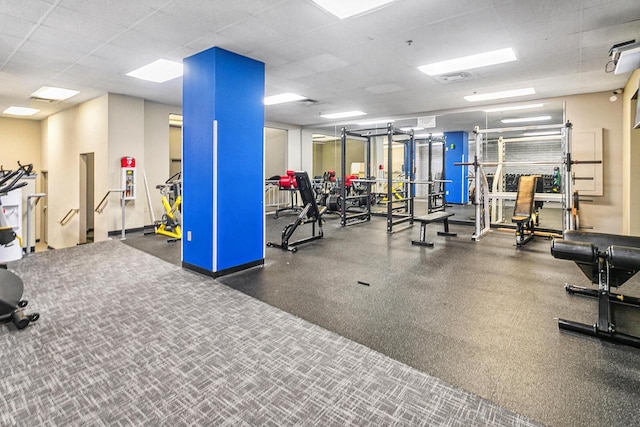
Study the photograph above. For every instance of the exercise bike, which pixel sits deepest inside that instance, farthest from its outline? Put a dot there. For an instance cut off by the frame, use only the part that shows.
(170, 224)
(11, 287)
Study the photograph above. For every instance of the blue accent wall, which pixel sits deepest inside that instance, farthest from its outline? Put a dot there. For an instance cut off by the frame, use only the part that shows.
(457, 150)
(222, 86)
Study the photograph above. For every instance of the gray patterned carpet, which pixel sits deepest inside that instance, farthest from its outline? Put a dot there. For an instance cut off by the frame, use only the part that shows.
(125, 338)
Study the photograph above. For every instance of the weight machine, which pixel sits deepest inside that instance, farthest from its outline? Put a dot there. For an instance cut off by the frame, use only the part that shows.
(483, 196)
(11, 286)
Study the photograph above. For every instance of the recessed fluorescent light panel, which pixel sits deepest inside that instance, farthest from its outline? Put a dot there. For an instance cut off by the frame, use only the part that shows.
(526, 119)
(513, 108)
(376, 122)
(470, 62)
(54, 93)
(21, 111)
(282, 98)
(346, 8)
(499, 95)
(545, 133)
(158, 71)
(343, 115)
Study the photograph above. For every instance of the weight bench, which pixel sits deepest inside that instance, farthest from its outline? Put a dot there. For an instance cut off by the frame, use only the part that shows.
(608, 260)
(524, 214)
(309, 214)
(428, 219)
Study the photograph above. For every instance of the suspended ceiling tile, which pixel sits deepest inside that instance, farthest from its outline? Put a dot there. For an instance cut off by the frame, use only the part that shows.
(82, 25)
(135, 41)
(284, 51)
(15, 27)
(385, 88)
(334, 38)
(64, 40)
(120, 13)
(44, 53)
(116, 59)
(253, 34)
(611, 13)
(207, 40)
(610, 35)
(417, 13)
(208, 15)
(179, 29)
(80, 75)
(32, 10)
(7, 45)
(292, 71)
(550, 10)
(308, 17)
(324, 62)
(274, 86)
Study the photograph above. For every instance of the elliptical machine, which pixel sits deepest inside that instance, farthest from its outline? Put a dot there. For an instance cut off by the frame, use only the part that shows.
(11, 286)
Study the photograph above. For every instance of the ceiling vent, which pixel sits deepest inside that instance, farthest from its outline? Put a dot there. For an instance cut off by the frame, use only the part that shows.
(625, 56)
(44, 100)
(310, 102)
(454, 77)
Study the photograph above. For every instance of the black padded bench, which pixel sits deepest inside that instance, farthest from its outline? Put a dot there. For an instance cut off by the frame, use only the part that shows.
(439, 216)
(608, 260)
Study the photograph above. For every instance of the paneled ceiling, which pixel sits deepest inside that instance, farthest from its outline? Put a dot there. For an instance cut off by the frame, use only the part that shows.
(362, 63)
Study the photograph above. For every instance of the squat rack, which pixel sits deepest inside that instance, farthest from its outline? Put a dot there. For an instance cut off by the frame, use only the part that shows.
(392, 217)
(483, 195)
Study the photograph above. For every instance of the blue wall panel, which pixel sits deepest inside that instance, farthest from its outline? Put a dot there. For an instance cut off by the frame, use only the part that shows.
(457, 150)
(223, 185)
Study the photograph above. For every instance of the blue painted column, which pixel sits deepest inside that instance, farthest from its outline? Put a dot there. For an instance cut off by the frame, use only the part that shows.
(223, 163)
(456, 150)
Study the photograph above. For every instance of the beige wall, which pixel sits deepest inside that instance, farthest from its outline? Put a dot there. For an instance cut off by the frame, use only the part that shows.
(20, 141)
(631, 156)
(126, 122)
(81, 129)
(112, 126)
(594, 110)
(158, 151)
(275, 152)
(331, 155)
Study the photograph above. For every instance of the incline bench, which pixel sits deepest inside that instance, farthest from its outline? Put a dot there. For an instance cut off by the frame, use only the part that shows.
(524, 214)
(437, 216)
(608, 260)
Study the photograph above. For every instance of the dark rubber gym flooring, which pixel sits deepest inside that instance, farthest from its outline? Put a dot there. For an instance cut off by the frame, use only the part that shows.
(479, 315)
